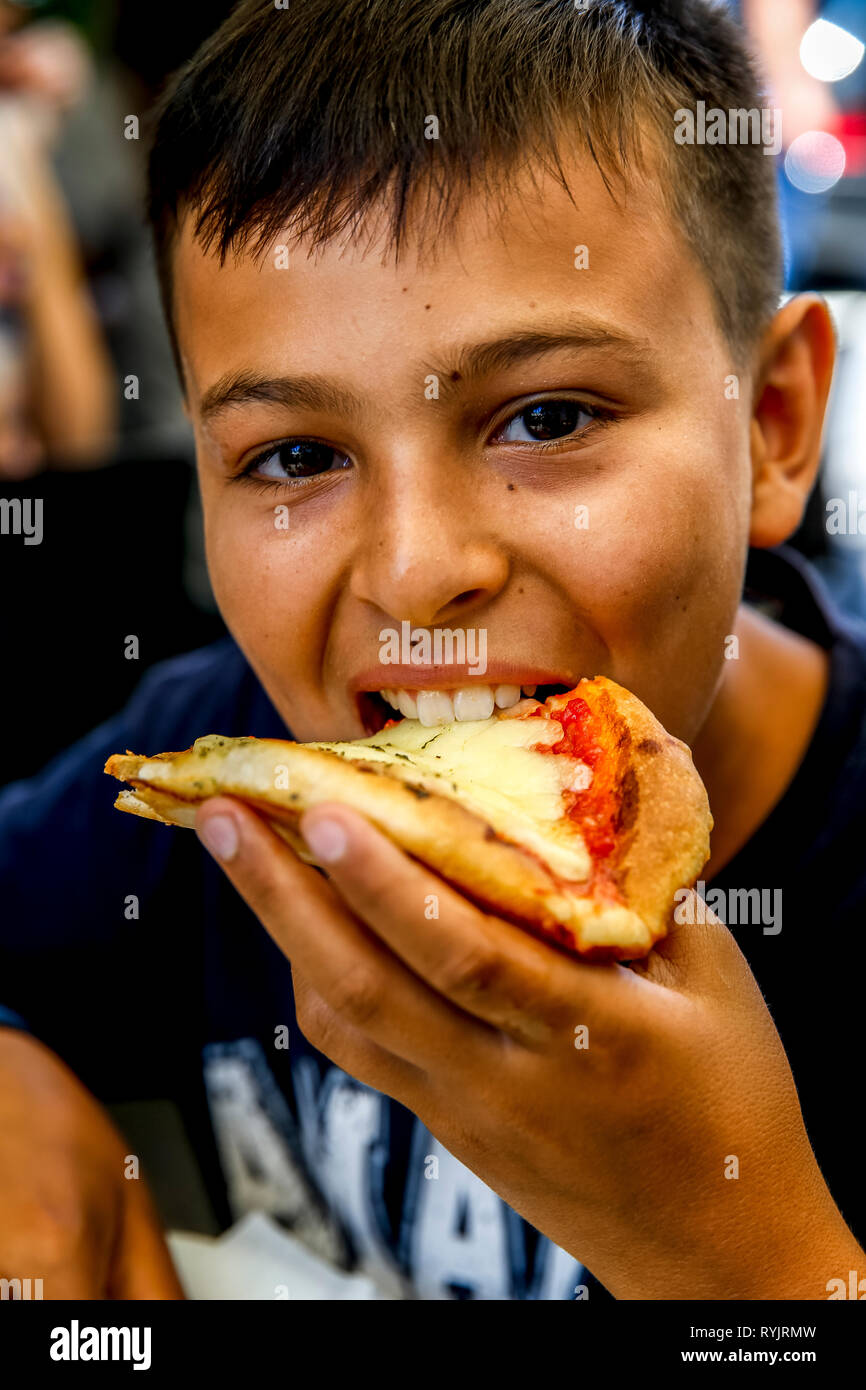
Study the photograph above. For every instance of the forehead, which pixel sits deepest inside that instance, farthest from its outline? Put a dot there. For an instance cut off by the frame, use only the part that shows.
(613, 255)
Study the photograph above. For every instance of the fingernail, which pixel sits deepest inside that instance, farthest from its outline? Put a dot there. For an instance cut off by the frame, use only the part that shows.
(219, 834)
(327, 840)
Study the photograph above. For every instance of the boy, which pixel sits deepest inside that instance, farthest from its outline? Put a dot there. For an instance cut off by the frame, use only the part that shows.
(466, 339)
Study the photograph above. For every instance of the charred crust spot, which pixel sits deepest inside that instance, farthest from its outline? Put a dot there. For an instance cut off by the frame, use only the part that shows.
(629, 796)
(420, 792)
(649, 745)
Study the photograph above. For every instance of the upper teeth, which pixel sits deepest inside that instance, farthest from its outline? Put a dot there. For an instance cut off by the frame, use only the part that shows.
(464, 703)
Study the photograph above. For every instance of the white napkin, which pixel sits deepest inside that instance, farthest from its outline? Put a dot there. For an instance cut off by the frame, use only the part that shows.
(257, 1259)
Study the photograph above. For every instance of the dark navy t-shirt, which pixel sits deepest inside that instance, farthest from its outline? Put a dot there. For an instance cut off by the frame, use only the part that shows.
(126, 950)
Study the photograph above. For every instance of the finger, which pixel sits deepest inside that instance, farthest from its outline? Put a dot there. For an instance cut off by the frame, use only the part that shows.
(348, 967)
(349, 1049)
(142, 1266)
(490, 968)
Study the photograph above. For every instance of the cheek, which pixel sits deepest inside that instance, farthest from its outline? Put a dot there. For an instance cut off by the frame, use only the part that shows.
(658, 574)
(267, 573)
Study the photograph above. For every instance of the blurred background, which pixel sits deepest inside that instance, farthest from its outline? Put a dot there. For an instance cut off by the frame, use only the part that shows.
(90, 413)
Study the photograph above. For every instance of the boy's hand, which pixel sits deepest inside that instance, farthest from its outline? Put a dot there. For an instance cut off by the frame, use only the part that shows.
(67, 1214)
(668, 1153)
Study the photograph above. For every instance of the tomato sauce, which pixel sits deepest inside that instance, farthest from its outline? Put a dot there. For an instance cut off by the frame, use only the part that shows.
(595, 808)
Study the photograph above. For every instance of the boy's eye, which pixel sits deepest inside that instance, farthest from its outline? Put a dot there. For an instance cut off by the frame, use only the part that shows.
(296, 458)
(546, 420)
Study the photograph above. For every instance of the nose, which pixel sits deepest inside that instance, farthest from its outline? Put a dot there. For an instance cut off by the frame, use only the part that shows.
(428, 558)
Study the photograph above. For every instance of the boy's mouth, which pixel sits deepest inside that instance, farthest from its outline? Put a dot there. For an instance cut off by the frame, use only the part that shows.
(445, 705)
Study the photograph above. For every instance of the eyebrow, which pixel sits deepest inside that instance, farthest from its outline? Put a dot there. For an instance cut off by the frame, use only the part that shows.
(521, 344)
(292, 392)
(466, 362)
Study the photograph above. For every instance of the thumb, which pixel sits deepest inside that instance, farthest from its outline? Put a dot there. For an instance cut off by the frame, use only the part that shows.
(142, 1267)
(698, 956)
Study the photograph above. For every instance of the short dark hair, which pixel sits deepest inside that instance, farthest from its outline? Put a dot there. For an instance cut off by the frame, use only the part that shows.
(317, 112)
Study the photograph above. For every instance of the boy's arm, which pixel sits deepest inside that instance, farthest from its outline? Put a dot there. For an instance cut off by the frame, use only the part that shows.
(85, 977)
(69, 1216)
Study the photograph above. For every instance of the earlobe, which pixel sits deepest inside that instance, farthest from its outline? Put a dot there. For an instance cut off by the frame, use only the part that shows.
(796, 366)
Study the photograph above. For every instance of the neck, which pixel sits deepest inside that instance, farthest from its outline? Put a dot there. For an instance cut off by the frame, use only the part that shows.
(758, 729)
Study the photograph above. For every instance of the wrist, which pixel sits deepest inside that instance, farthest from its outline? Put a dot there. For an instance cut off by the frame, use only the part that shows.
(784, 1249)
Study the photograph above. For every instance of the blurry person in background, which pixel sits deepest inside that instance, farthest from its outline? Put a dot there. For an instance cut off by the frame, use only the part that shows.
(812, 52)
(814, 55)
(57, 386)
(777, 31)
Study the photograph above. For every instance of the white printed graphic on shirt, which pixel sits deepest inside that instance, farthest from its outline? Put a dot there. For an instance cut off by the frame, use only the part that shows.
(252, 1125)
(459, 1236)
(344, 1132)
(456, 1235)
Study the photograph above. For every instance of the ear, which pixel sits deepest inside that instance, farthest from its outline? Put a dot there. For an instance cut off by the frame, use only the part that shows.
(795, 367)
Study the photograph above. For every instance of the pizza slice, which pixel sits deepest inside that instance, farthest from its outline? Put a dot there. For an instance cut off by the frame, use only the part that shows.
(577, 817)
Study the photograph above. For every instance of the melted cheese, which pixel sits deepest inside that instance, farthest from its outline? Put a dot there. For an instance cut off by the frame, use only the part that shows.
(491, 768)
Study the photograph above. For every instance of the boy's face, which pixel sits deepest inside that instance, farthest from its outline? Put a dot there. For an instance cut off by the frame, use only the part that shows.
(581, 546)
